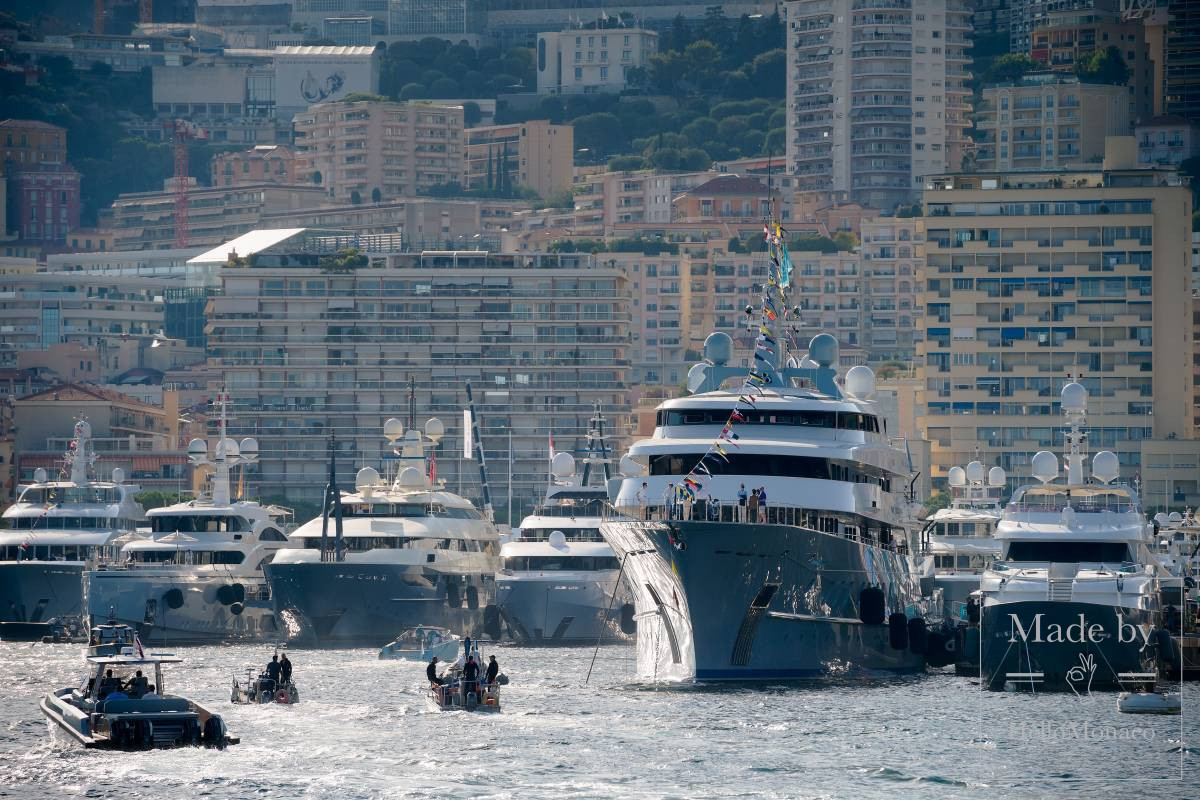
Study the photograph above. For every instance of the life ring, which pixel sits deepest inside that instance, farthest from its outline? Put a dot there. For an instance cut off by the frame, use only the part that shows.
(282, 696)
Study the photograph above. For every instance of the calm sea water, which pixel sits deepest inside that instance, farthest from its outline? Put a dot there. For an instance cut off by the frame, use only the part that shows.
(363, 730)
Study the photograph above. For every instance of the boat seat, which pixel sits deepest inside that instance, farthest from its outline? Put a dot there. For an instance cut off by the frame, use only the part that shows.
(147, 705)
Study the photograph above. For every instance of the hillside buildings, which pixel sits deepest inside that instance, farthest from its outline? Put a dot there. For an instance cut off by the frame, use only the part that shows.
(579, 61)
(260, 164)
(368, 150)
(877, 96)
(534, 154)
(41, 189)
(1035, 277)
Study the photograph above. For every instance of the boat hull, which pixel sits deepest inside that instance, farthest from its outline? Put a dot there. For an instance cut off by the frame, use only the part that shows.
(366, 605)
(202, 615)
(38, 591)
(720, 601)
(561, 612)
(1052, 646)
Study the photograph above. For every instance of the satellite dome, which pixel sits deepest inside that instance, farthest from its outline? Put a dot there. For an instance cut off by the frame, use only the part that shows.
(249, 448)
(1161, 519)
(997, 477)
(1105, 466)
(696, 376)
(860, 382)
(197, 448)
(365, 478)
(1074, 398)
(718, 348)
(975, 472)
(1174, 519)
(39, 475)
(562, 466)
(393, 429)
(435, 429)
(823, 349)
(558, 539)
(83, 429)
(629, 467)
(118, 475)
(411, 478)
(227, 448)
(957, 476)
(1044, 466)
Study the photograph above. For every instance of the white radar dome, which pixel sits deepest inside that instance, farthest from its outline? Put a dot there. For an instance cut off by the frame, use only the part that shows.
(249, 448)
(1161, 519)
(366, 478)
(118, 475)
(1044, 466)
(957, 476)
(1074, 397)
(718, 348)
(562, 466)
(435, 429)
(975, 472)
(1105, 466)
(696, 376)
(558, 539)
(823, 349)
(227, 448)
(393, 429)
(860, 382)
(198, 448)
(39, 475)
(997, 477)
(411, 478)
(1174, 519)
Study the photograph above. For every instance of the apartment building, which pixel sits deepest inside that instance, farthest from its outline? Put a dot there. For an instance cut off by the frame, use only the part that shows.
(534, 154)
(893, 266)
(877, 96)
(42, 200)
(1183, 60)
(591, 61)
(1065, 38)
(311, 348)
(1167, 141)
(366, 151)
(260, 164)
(1048, 122)
(1033, 278)
(603, 199)
(726, 197)
(1026, 16)
(27, 143)
(146, 220)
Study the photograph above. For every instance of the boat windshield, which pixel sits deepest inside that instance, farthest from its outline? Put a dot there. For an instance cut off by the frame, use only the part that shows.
(56, 495)
(560, 563)
(576, 508)
(571, 534)
(408, 510)
(359, 544)
(1069, 552)
(50, 522)
(1082, 500)
(197, 523)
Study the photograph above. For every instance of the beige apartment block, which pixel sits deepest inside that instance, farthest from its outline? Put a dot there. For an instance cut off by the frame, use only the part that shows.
(893, 265)
(877, 95)
(365, 151)
(1048, 122)
(540, 156)
(309, 348)
(266, 163)
(1034, 278)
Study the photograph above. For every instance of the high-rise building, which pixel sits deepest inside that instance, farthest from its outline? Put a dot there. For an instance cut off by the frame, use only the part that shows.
(877, 95)
(314, 342)
(1183, 60)
(1033, 278)
(893, 266)
(1048, 121)
(364, 151)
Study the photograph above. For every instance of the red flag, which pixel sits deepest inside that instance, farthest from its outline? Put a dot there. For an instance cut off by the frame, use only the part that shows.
(432, 468)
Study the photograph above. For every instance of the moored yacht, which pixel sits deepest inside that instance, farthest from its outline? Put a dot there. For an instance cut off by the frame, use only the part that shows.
(1072, 604)
(404, 552)
(199, 577)
(819, 579)
(58, 528)
(960, 539)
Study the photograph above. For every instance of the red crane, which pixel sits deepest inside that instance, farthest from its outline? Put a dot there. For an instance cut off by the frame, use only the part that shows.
(181, 132)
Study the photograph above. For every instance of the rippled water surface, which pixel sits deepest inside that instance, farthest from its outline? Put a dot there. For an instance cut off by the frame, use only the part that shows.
(363, 729)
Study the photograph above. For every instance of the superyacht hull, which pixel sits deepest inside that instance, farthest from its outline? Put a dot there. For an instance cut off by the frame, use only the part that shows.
(366, 605)
(561, 612)
(737, 602)
(1054, 646)
(183, 609)
(37, 591)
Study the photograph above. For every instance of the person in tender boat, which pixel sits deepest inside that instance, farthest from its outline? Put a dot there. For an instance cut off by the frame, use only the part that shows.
(470, 678)
(138, 685)
(285, 669)
(493, 669)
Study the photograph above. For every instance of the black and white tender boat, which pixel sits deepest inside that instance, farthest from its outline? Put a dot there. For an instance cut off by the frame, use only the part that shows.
(1073, 602)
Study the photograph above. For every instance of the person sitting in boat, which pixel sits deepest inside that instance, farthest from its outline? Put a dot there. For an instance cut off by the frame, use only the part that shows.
(493, 669)
(431, 673)
(138, 685)
(285, 669)
(109, 684)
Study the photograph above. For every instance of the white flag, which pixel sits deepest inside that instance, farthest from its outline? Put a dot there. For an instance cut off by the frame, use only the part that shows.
(468, 435)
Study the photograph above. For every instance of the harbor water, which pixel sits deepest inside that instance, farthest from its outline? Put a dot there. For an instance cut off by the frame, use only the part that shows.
(363, 730)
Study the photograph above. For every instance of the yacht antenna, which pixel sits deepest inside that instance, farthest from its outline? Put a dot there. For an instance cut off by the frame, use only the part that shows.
(487, 493)
(1074, 407)
(79, 454)
(412, 403)
(332, 505)
(221, 460)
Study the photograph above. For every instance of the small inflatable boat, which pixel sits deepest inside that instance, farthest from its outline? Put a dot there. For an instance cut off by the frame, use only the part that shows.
(1149, 703)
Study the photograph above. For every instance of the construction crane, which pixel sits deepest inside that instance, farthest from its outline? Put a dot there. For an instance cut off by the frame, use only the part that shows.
(181, 132)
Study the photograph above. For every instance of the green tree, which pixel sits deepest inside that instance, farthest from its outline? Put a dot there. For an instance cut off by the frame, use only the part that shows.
(1104, 66)
(155, 498)
(623, 163)
(1010, 68)
(700, 132)
(601, 133)
(937, 501)
(413, 91)
(472, 114)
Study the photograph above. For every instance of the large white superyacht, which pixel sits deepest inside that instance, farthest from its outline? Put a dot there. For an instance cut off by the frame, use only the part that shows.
(819, 580)
(199, 577)
(58, 528)
(404, 552)
(960, 539)
(1073, 601)
(559, 581)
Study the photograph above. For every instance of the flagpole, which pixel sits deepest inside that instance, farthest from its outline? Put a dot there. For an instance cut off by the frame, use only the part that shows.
(510, 479)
